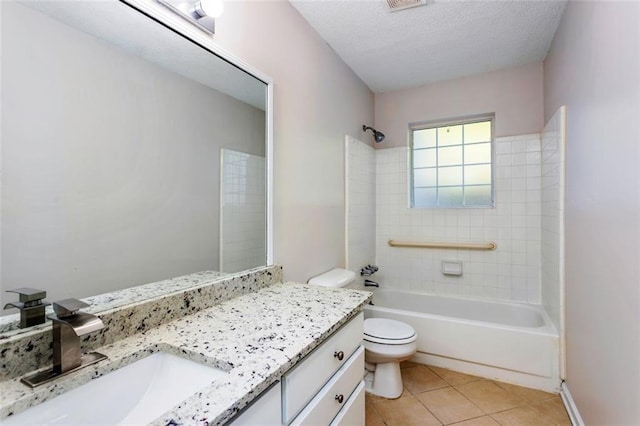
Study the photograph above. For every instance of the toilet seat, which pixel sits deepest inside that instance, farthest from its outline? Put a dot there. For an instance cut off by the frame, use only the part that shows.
(388, 332)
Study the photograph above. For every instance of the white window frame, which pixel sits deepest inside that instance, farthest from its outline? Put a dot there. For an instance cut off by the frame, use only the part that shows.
(446, 123)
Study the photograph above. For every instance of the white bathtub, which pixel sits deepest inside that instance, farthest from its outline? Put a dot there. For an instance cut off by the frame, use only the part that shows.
(512, 342)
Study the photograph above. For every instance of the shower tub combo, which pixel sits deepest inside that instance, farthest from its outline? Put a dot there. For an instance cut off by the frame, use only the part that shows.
(511, 342)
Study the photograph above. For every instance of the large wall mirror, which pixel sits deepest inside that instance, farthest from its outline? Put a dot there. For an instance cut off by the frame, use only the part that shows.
(131, 153)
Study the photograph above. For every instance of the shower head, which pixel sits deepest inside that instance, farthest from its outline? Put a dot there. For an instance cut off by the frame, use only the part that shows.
(379, 136)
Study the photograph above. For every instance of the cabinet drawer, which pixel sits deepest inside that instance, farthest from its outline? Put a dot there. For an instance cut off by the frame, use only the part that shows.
(353, 411)
(303, 382)
(332, 398)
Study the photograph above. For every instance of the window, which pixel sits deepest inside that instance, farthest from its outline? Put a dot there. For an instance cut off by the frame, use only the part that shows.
(451, 164)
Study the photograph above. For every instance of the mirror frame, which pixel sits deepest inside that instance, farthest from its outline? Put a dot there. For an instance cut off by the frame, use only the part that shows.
(156, 12)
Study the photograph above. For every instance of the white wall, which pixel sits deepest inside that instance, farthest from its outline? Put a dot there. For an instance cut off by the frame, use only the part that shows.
(593, 67)
(318, 100)
(514, 95)
(99, 146)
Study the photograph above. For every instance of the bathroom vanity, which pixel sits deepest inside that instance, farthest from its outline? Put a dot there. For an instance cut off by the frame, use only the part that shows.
(291, 353)
(326, 387)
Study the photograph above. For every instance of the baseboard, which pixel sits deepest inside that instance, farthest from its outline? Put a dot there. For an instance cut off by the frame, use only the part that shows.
(570, 405)
(547, 384)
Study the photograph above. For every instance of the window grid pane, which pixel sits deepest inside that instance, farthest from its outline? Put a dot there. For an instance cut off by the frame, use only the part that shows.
(450, 156)
(449, 135)
(425, 138)
(452, 165)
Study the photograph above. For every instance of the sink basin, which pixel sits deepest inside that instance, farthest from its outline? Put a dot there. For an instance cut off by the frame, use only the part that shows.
(135, 394)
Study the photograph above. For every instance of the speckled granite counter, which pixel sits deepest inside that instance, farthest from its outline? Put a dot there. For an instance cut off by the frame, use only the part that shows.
(257, 337)
(131, 311)
(116, 299)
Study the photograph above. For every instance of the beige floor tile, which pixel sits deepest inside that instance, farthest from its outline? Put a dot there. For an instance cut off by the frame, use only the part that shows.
(520, 416)
(552, 411)
(449, 405)
(421, 379)
(434, 395)
(371, 416)
(489, 397)
(478, 421)
(453, 377)
(526, 394)
(371, 398)
(405, 411)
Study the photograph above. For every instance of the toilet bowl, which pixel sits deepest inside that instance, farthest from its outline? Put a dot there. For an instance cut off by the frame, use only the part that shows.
(387, 343)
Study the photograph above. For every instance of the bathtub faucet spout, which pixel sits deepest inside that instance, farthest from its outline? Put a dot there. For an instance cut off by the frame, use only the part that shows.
(369, 283)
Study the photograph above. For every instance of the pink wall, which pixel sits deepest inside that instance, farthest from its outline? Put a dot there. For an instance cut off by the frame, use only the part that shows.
(593, 67)
(515, 95)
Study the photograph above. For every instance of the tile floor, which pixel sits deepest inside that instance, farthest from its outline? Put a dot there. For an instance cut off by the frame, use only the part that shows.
(435, 396)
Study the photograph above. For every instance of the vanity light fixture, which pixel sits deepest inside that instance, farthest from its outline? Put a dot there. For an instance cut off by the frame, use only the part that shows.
(201, 13)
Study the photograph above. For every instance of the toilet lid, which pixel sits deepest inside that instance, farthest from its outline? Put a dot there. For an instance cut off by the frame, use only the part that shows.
(388, 331)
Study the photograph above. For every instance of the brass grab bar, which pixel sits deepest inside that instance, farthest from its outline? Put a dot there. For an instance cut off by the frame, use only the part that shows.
(468, 246)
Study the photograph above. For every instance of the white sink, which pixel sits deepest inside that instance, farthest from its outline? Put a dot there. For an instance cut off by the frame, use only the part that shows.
(132, 395)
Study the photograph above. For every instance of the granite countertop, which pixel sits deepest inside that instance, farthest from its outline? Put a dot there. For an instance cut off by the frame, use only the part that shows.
(9, 324)
(256, 337)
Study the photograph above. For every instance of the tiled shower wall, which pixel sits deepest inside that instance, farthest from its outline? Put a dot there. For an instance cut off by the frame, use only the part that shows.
(360, 191)
(510, 272)
(242, 211)
(553, 152)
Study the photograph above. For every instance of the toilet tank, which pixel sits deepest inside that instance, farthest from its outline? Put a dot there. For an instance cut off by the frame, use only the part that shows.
(334, 278)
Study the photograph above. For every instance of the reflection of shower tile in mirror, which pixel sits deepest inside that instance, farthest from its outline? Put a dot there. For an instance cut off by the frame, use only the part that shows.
(242, 211)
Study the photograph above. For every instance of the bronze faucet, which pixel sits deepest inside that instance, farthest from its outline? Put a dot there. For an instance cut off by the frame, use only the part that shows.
(31, 305)
(69, 324)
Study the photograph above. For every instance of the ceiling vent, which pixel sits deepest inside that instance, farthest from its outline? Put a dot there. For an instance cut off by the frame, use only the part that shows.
(395, 5)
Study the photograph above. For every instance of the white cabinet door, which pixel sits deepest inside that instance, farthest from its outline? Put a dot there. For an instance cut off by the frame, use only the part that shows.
(305, 380)
(324, 407)
(352, 414)
(266, 410)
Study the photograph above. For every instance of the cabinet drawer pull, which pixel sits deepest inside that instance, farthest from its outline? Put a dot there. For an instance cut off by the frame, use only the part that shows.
(340, 356)
(339, 398)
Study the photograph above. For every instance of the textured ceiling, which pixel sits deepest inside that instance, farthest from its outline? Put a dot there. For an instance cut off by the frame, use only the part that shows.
(439, 41)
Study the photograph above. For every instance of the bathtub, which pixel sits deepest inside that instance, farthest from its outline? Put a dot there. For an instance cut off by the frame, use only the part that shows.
(511, 342)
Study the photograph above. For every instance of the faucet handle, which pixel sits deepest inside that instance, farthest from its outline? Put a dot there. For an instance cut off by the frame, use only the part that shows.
(31, 306)
(28, 294)
(369, 270)
(68, 307)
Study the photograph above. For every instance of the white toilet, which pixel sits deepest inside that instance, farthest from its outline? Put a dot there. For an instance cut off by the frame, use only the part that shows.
(386, 342)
